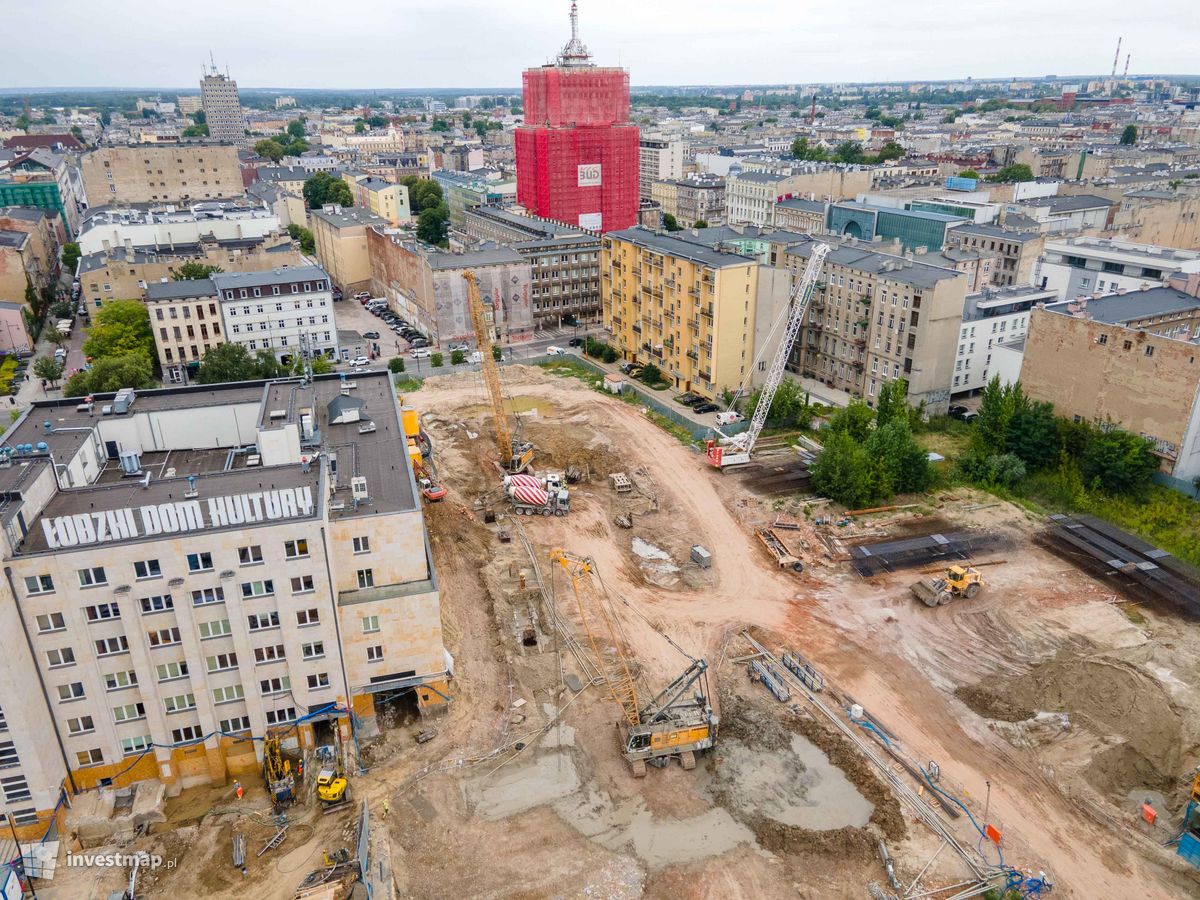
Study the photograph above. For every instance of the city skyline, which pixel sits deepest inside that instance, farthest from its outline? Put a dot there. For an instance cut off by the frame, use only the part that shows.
(670, 43)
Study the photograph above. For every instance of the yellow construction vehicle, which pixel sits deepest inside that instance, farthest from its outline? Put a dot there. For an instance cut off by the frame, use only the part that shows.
(676, 723)
(515, 453)
(959, 581)
(277, 771)
(332, 785)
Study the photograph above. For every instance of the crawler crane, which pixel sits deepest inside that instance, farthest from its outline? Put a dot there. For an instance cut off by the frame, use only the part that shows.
(676, 722)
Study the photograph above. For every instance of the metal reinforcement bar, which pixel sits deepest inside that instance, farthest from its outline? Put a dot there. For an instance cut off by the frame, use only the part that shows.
(984, 875)
(888, 556)
(1115, 553)
(803, 669)
(771, 678)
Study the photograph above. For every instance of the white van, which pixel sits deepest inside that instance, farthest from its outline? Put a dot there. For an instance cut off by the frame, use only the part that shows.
(377, 303)
(728, 418)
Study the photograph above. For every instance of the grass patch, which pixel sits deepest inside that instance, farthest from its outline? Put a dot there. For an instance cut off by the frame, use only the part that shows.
(948, 445)
(565, 367)
(408, 384)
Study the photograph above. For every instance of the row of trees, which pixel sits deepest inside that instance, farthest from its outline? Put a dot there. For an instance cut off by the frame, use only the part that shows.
(870, 455)
(845, 152)
(121, 347)
(1014, 436)
(322, 189)
(428, 204)
(233, 362)
(290, 142)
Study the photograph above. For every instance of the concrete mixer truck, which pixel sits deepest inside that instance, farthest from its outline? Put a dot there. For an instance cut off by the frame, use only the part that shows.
(533, 496)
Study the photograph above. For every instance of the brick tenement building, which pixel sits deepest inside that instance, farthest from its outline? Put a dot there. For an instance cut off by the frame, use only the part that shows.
(149, 173)
(577, 153)
(1125, 359)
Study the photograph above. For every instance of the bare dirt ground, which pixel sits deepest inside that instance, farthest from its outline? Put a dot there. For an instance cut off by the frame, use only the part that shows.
(1070, 704)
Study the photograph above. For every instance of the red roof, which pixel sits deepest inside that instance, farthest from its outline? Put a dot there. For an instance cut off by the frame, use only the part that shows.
(30, 141)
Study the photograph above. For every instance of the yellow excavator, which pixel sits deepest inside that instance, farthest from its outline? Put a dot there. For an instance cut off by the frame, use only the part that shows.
(332, 786)
(678, 722)
(515, 454)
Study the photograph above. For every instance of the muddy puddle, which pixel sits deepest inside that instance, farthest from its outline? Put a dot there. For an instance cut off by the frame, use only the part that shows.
(657, 842)
(657, 564)
(801, 788)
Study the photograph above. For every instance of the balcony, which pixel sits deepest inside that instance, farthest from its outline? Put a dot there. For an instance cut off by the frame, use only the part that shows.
(708, 314)
(706, 377)
(693, 355)
(637, 329)
(694, 326)
(695, 292)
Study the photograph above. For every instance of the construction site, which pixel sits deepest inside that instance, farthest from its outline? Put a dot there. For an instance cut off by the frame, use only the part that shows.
(674, 679)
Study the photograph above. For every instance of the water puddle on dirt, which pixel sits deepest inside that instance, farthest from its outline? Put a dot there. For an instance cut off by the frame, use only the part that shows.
(516, 789)
(801, 788)
(656, 563)
(657, 842)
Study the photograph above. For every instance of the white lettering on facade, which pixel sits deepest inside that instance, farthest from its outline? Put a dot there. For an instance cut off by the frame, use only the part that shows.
(174, 518)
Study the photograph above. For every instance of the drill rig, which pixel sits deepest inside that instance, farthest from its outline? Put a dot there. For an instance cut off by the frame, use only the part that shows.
(515, 453)
(676, 722)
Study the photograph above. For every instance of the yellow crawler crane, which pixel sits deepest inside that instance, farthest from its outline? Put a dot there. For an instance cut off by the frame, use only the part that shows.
(677, 722)
(515, 454)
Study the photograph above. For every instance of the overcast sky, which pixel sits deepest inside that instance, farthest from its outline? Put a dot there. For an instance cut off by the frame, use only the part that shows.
(486, 43)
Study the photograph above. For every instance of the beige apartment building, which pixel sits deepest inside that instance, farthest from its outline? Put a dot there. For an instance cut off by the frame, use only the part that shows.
(1130, 359)
(340, 236)
(124, 273)
(666, 195)
(29, 243)
(876, 317)
(185, 317)
(176, 173)
(385, 199)
(200, 569)
(803, 216)
(1015, 253)
(698, 314)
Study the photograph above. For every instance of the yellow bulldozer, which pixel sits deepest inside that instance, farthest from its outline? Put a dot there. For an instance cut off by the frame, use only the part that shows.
(958, 581)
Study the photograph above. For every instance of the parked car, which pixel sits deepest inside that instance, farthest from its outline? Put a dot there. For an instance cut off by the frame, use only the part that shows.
(728, 418)
(475, 358)
(970, 417)
(420, 352)
(688, 398)
(555, 351)
(459, 345)
(575, 342)
(626, 368)
(418, 342)
(362, 296)
(705, 408)
(371, 335)
(957, 411)
(337, 294)
(360, 361)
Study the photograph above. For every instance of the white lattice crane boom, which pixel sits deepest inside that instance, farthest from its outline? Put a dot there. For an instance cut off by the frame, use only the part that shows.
(735, 450)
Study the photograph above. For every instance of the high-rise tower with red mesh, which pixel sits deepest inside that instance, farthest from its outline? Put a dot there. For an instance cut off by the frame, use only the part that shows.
(577, 153)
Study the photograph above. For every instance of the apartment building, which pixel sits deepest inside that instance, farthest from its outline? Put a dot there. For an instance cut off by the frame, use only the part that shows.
(1081, 266)
(223, 111)
(876, 317)
(699, 314)
(750, 197)
(29, 244)
(798, 214)
(168, 173)
(666, 195)
(1131, 360)
(124, 272)
(45, 179)
(425, 286)
(287, 311)
(467, 190)
(387, 200)
(1016, 252)
(504, 226)
(161, 626)
(340, 237)
(185, 317)
(564, 275)
(993, 319)
(699, 198)
(661, 159)
(1056, 214)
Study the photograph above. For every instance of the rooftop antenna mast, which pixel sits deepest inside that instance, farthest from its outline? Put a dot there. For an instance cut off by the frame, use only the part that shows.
(1116, 58)
(574, 53)
(1126, 75)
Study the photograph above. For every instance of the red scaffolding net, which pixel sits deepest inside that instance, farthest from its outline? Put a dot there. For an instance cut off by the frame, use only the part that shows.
(589, 95)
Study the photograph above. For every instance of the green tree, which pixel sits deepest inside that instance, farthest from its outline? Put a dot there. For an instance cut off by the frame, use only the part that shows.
(70, 256)
(269, 149)
(904, 463)
(23, 121)
(996, 407)
(849, 152)
(1032, 435)
(437, 359)
(801, 150)
(48, 369)
(969, 173)
(440, 125)
(111, 373)
(194, 271)
(1119, 462)
(308, 244)
(651, 374)
(63, 309)
(700, 223)
(670, 224)
(497, 353)
(842, 472)
(423, 193)
(1015, 173)
(481, 128)
(458, 357)
(396, 365)
(322, 188)
(233, 362)
(789, 407)
(890, 150)
(360, 127)
(375, 121)
(120, 327)
(196, 131)
(433, 224)
(295, 128)
(1129, 136)
(893, 402)
(77, 133)
(200, 117)
(855, 420)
